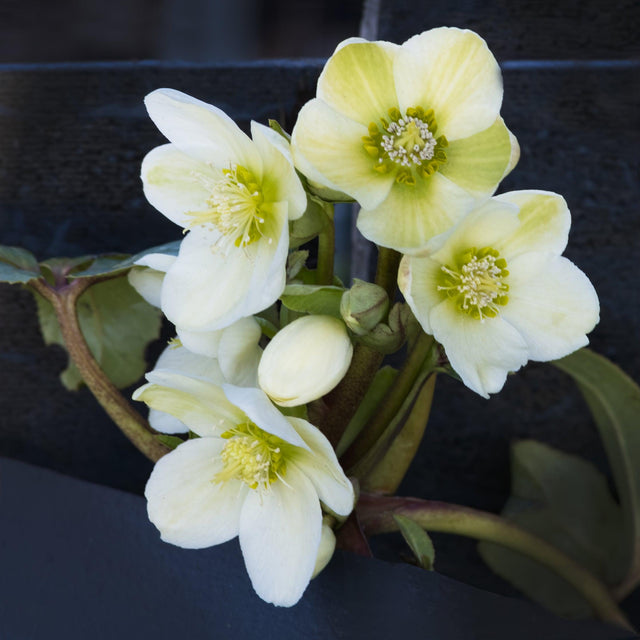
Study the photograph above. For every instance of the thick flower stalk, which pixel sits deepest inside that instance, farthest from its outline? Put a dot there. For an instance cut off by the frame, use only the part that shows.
(235, 196)
(412, 132)
(496, 292)
(252, 473)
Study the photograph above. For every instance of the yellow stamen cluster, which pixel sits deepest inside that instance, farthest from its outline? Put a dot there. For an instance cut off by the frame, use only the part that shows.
(253, 456)
(477, 283)
(234, 206)
(406, 144)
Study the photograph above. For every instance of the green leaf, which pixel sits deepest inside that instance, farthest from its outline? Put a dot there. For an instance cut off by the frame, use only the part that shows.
(117, 325)
(17, 265)
(277, 127)
(566, 501)
(316, 299)
(171, 442)
(314, 220)
(418, 540)
(614, 400)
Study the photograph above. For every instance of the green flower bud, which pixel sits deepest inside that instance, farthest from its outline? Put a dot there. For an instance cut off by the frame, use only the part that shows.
(363, 306)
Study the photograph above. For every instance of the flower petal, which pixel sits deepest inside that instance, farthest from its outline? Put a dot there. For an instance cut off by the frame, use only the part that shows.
(482, 353)
(239, 353)
(554, 309)
(327, 147)
(199, 404)
(148, 283)
(479, 162)
(184, 502)
(412, 215)
(201, 130)
(357, 81)
(171, 184)
(321, 466)
(257, 406)
(452, 72)
(280, 536)
(544, 223)
(205, 343)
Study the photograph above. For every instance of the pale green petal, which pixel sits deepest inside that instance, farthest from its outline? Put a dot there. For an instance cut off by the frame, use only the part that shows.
(327, 147)
(199, 404)
(280, 182)
(239, 352)
(452, 72)
(201, 130)
(553, 308)
(280, 536)
(305, 360)
(173, 183)
(418, 280)
(545, 222)
(478, 163)
(412, 215)
(257, 406)
(358, 81)
(184, 502)
(321, 466)
(482, 353)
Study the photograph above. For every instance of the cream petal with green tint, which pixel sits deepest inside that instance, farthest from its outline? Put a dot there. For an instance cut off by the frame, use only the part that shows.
(175, 183)
(412, 215)
(452, 72)
(239, 352)
(478, 163)
(482, 353)
(184, 502)
(544, 222)
(279, 535)
(358, 81)
(327, 147)
(201, 130)
(552, 304)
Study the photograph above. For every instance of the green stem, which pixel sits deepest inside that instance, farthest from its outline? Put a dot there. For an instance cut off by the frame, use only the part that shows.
(387, 271)
(376, 516)
(132, 424)
(391, 403)
(326, 251)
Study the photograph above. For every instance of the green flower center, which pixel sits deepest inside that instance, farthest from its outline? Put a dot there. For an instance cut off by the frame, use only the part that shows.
(253, 456)
(234, 206)
(477, 283)
(406, 144)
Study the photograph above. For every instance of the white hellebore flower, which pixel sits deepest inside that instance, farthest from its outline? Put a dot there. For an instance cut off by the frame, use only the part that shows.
(412, 132)
(235, 196)
(252, 473)
(496, 291)
(305, 360)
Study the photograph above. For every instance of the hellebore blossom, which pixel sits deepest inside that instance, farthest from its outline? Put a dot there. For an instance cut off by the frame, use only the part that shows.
(496, 292)
(305, 360)
(235, 196)
(252, 473)
(411, 132)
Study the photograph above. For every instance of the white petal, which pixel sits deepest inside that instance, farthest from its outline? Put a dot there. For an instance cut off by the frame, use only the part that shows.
(166, 423)
(305, 360)
(205, 343)
(321, 466)
(280, 537)
(201, 130)
(325, 550)
(157, 261)
(148, 283)
(174, 183)
(452, 72)
(482, 353)
(554, 309)
(255, 404)
(184, 502)
(239, 353)
(199, 404)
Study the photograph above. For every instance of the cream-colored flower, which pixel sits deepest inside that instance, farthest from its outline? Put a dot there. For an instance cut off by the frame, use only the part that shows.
(252, 473)
(305, 360)
(496, 292)
(235, 196)
(412, 132)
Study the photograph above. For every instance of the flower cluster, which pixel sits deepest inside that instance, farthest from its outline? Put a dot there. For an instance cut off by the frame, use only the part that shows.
(413, 134)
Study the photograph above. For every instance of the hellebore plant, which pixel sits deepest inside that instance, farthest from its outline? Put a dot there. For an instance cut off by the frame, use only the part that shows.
(277, 365)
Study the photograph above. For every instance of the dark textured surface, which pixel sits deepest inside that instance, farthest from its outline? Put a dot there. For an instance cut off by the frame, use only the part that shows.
(80, 561)
(526, 29)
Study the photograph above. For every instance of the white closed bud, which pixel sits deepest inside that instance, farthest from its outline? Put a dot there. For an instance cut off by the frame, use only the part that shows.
(305, 360)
